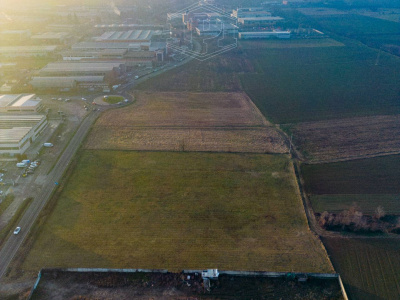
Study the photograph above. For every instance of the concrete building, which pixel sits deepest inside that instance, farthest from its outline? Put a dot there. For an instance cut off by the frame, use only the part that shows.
(215, 29)
(96, 68)
(250, 12)
(264, 35)
(27, 51)
(91, 55)
(258, 21)
(97, 46)
(58, 83)
(135, 36)
(52, 38)
(15, 35)
(20, 103)
(18, 132)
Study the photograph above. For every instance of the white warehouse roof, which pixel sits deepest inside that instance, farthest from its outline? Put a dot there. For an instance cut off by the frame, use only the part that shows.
(22, 100)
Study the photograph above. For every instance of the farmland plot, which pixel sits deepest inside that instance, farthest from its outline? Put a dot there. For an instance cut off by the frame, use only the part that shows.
(219, 74)
(348, 138)
(126, 209)
(227, 122)
(369, 267)
(379, 175)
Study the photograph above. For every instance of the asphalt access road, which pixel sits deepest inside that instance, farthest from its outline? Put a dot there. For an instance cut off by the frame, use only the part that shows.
(13, 243)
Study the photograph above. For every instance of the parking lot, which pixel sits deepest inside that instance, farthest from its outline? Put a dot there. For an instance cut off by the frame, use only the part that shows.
(65, 113)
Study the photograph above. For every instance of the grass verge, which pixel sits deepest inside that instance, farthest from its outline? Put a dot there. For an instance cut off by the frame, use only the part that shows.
(8, 199)
(14, 220)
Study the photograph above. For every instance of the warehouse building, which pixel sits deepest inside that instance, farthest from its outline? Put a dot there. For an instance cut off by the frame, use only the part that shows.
(27, 51)
(15, 35)
(18, 132)
(264, 35)
(52, 38)
(258, 21)
(20, 103)
(67, 83)
(134, 36)
(90, 55)
(58, 83)
(109, 70)
(246, 12)
(97, 46)
(216, 29)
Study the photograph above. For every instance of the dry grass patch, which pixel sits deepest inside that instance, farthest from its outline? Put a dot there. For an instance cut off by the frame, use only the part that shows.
(226, 122)
(123, 209)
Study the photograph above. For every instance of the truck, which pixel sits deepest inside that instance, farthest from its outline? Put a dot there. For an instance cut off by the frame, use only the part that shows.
(21, 165)
(48, 145)
(26, 161)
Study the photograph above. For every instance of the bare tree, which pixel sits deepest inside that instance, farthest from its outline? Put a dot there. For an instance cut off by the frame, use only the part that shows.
(379, 212)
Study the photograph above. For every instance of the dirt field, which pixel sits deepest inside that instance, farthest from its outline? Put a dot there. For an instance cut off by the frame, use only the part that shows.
(369, 267)
(174, 210)
(348, 138)
(221, 122)
(219, 74)
(167, 286)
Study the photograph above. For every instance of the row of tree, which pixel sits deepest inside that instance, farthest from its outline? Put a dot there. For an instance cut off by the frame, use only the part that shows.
(355, 221)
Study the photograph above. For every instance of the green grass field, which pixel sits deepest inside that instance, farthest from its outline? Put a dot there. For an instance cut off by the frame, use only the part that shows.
(356, 25)
(296, 80)
(309, 84)
(178, 210)
(369, 267)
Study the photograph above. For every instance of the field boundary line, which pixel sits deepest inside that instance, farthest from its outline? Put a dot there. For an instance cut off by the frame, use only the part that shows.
(307, 210)
(367, 156)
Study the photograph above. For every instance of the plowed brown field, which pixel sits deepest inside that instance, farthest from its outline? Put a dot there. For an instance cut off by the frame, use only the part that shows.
(170, 121)
(350, 138)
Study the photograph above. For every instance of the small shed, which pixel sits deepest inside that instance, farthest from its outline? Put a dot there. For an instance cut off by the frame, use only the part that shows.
(210, 273)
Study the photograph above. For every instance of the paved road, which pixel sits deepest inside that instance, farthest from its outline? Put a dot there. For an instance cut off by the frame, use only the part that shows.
(12, 245)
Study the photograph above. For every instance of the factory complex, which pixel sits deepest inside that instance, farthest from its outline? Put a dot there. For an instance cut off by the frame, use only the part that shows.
(101, 61)
(19, 131)
(244, 23)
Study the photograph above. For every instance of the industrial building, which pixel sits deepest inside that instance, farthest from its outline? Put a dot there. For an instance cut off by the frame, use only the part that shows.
(249, 12)
(90, 55)
(18, 132)
(27, 51)
(68, 83)
(59, 83)
(216, 29)
(258, 21)
(98, 68)
(15, 35)
(20, 103)
(52, 38)
(135, 36)
(82, 74)
(264, 35)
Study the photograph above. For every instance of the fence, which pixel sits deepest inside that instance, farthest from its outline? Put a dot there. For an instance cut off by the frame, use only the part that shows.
(231, 273)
